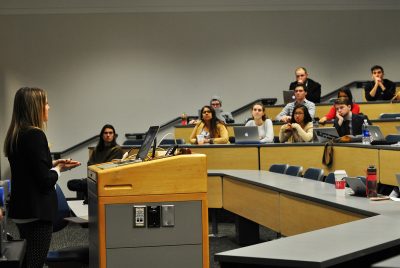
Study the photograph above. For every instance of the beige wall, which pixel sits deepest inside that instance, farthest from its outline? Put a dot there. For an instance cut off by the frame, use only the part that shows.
(134, 70)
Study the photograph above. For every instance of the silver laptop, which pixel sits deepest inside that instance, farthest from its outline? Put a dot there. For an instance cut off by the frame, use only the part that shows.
(324, 134)
(360, 189)
(376, 133)
(288, 96)
(246, 135)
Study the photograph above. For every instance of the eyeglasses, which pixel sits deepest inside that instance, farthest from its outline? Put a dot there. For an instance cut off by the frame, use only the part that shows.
(206, 112)
(108, 132)
(257, 110)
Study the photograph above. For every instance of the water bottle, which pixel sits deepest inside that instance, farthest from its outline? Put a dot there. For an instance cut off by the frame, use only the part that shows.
(184, 119)
(366, 138)
(371, 182)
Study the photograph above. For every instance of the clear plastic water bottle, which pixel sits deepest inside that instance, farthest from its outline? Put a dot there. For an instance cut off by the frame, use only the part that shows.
(372, 182)
(366, 137)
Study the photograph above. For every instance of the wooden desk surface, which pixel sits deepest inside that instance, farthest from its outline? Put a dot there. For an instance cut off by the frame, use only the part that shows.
(372, 109)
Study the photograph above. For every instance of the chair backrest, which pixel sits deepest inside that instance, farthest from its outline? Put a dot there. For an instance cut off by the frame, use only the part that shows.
(278, 168)
(314, 174)
(172, 141)
(133, 142)
(393, 137)
(63, 211)
(294, 171)
(389, 115)
(330, 178)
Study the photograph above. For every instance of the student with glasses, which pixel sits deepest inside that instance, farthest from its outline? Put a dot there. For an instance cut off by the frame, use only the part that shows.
(212, 129)
(265, 128)
(314, 88)
(300, 127)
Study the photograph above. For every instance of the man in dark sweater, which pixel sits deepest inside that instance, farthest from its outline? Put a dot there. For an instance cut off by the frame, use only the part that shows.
(313, 88)
(379, 88)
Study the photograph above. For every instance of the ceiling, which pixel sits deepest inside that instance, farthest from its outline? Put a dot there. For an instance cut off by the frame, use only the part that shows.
(127, 6)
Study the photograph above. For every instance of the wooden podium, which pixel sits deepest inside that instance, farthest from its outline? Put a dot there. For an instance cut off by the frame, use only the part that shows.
(149, 214)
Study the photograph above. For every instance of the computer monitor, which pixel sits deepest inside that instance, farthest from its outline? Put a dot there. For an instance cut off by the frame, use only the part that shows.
(149, 139)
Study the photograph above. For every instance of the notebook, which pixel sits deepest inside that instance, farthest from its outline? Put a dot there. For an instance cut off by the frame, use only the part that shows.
(246, 135)
(324, 134)
(288, 96)
(360, 189)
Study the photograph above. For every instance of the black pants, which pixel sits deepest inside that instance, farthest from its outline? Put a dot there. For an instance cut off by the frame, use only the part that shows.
(38, 237)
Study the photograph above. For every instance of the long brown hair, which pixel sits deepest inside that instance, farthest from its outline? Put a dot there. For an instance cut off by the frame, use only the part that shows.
(28, 112)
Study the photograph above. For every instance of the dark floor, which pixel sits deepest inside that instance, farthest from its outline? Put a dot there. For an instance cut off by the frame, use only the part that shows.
(74, 235)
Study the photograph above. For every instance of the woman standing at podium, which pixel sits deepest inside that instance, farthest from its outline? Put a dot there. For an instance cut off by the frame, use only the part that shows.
(33, 200)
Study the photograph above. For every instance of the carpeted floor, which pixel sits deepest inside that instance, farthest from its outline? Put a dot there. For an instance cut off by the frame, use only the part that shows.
(75, 235)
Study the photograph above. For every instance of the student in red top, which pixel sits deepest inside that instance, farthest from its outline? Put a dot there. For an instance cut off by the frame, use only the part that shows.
(342, 93)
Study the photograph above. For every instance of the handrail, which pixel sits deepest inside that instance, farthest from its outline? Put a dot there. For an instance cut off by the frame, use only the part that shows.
(57, 155)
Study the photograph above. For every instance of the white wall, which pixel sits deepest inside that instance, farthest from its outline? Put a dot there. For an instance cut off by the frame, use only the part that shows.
(134, 70)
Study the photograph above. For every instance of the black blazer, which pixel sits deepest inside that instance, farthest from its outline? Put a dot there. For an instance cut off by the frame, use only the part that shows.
(357, 121)
(313, 90)
(32, 182)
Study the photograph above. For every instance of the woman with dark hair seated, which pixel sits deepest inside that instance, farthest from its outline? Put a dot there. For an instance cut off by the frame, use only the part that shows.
(209, 128)
(342, 93)
(300, 128)
(106, 150)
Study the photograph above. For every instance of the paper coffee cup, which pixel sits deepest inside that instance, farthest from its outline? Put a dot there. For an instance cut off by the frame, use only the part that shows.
(340, 183)
(200, 139)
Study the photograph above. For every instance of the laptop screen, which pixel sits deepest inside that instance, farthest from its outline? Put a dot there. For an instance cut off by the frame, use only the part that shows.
(147, 142)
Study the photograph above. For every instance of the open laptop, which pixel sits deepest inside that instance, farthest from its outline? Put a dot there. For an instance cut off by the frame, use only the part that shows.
(324, 134)
(148, 141)
(288, 96)
(246, 135)
(377, 138)
(360, 189)
(376, 133)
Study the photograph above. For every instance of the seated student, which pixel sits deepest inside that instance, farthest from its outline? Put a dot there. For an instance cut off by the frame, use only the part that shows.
(212, 129)
(342, 93)
(347, 123)
(106, 150)
(300, 93)
(225, 117)
(314, 88)
(300, 127)
(265, 128)
(379, 88)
